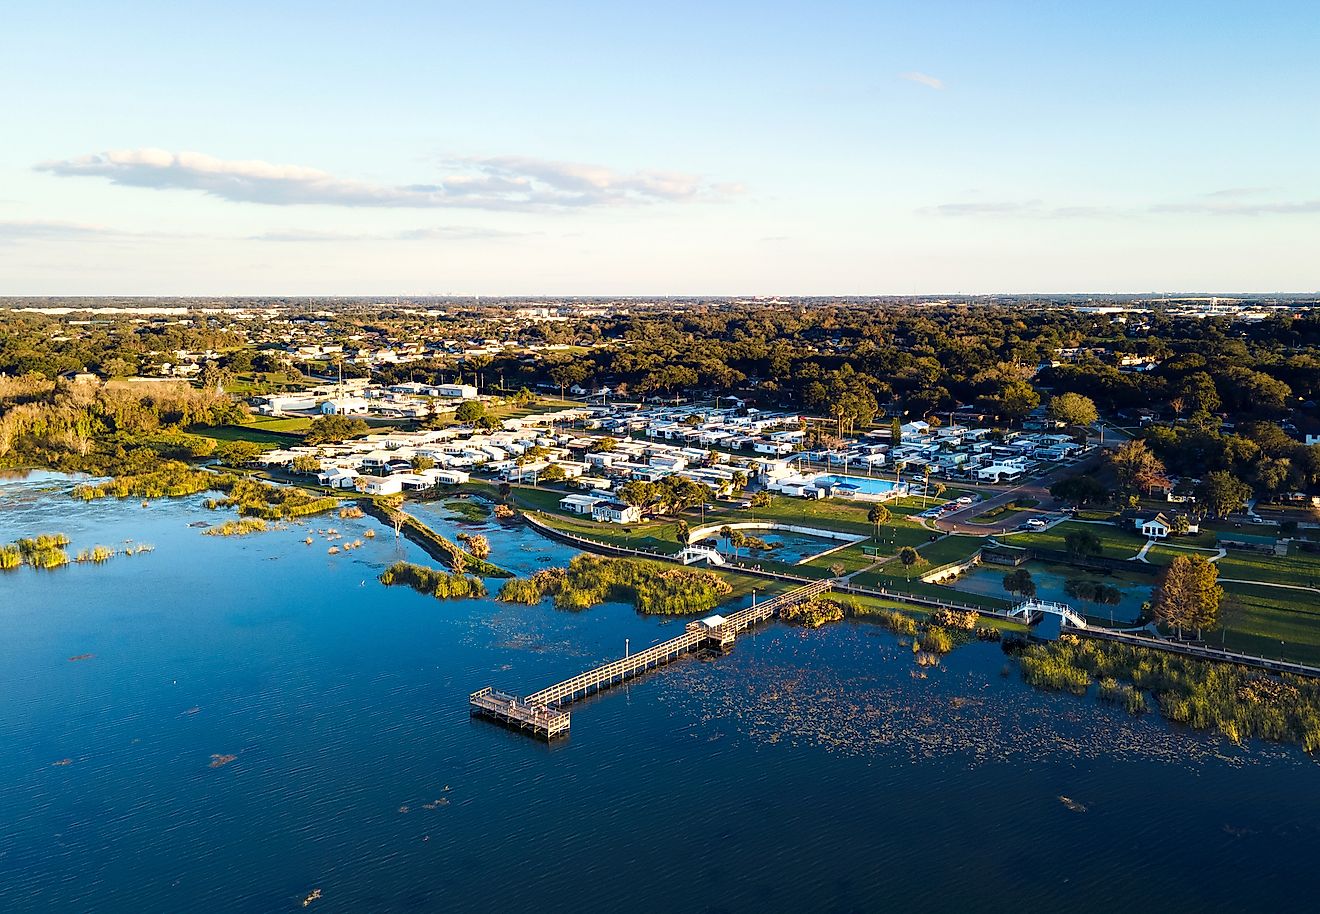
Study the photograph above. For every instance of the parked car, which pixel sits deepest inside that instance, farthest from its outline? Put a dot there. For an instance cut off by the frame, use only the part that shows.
(1037, 523)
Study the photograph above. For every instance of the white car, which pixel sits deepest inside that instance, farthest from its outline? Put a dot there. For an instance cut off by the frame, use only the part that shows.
(1037, 523)
(966, 500)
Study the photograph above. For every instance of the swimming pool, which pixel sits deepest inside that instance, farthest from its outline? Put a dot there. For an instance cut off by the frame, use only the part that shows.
(861, 486)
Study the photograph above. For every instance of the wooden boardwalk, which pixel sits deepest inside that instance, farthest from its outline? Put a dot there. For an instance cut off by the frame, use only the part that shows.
(541, 713)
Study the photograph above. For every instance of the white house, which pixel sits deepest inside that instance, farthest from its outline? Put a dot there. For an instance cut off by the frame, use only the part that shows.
(1161, 525)
(580, 504)
(338, 478)
(456, 391)
(380, 485)
(1000, 472)
(1156, 528)
(616, 512)
(344, 406)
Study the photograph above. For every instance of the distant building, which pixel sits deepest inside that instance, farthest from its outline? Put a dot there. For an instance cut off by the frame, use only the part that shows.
(456, 391)
(580, 504)
(345, 406)
(616, 512)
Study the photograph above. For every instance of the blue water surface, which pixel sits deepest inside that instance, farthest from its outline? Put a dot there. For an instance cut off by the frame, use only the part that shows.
(805, 771)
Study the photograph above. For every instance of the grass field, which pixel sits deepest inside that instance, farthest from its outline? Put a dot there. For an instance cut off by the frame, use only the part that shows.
(1163, 555)
(1297, 567)
(1116, 543)
(1270, 622)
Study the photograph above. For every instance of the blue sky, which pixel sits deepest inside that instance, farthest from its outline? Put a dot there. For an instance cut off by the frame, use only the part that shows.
(647, 148)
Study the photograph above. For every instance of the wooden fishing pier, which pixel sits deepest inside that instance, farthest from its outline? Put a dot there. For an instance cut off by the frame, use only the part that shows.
(541, 713)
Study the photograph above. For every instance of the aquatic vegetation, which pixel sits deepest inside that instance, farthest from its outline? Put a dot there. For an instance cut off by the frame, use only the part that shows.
(369, 534)
(349, 512)
(1236, 701)
(468, 509)
(936, 640)
(96, 554)
(1119, 693)
(504, 512)
(439, 584)
(219, 761)
(520, 590)
(170, 479)
(898, 622)
(253, 498)
(591, 580)
(45, 551)
(812, 613)
(241, 527)
(652, 588)
(962, 620)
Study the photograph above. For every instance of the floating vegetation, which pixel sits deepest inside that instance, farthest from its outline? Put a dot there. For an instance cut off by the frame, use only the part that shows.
(812, 613)
(77, 657)
(440, 584)
(10, 557)
(62, 763)
(314, 895)
(1236, 701)
(97, 554)
(504, 512)
(309, 541)
(220, 761)
(370, 534)
(333, 550)
(241, 527)
(349, 512)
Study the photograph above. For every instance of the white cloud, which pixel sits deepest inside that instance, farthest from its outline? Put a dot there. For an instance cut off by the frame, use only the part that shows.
(1207, 206)
(500, 183)
(923, 79)
(440, 233)
(43, 230)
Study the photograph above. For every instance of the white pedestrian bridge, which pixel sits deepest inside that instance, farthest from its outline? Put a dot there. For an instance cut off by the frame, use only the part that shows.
(692, 554)
(1031, 611)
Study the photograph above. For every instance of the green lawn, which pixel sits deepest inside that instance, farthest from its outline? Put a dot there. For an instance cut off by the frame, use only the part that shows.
(953, 548)
(1270, 622)
(853, 558)
(1297, 567)
(265, 440)
(998, 515)
(1116, 543)
(291, 425)
(1163, 555)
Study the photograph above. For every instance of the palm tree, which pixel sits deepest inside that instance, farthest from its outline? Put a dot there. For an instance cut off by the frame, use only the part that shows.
(878, 515)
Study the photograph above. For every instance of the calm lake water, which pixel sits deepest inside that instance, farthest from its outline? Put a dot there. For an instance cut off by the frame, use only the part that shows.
(806, 771)
(1050, 582)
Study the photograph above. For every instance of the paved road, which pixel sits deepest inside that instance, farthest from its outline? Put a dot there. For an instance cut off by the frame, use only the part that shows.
(1038, 488)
